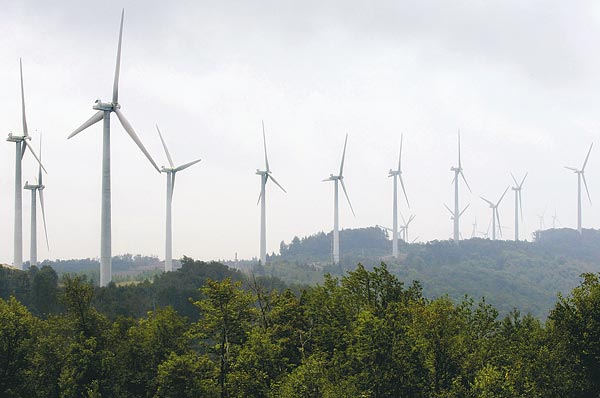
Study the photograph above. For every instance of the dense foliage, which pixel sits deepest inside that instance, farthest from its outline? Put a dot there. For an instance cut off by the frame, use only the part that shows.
(365, 334)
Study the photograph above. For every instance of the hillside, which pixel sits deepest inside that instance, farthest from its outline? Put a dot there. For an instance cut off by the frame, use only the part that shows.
(523, 275)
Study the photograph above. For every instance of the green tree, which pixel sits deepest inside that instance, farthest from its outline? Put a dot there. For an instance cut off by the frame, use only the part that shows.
(226, 312)
(186, 376)
(16, 324)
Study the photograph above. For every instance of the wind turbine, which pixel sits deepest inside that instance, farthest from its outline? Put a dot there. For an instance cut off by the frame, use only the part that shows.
(38, 188)
(338, 179)
(397, 175)
(518, 203)
(104, 109)
(555, 220)
(404, 227)
(458, 171)
(474, 231)
(580, 176)
(22, 143)
(495, 215)
(453, 217)
(170, 171)
(265, 175)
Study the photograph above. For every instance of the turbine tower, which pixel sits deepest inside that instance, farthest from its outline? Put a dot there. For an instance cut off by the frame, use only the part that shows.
(458, 171)
(36, 189)
(104, 109)
(265, 175)
(495, 215)
(518, 203)
(338, 179)
(22, 143)
(581, 175)
(397, 175)
(170, 171)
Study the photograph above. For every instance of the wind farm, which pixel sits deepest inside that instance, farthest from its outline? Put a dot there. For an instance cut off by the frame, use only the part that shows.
(421, 205)
(357, 266)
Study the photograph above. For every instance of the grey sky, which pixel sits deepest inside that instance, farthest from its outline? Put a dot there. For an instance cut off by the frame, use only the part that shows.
(519, 79)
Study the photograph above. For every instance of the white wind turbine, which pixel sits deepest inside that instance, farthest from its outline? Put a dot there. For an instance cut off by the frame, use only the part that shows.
(265, 175)
(581, 175)
(474, 231)
(495, 214)
(170, 171)
(37, 188)
(518, 203)
(104, 110)
(453, 217)
(397, 175)
(404, 227)
(22, 143)
(555, 220)
(458, 171)
(338, 179)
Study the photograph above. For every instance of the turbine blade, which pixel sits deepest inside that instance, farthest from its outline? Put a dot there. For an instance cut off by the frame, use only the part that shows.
(502, 197)
(489, 202)
(40, 181)
(586, 187)
(459, 160)
(173, 183)
(260, 193)
(402, 217)
(447, 208)
(347, 197)
(25, 131)
(185, 166)
(400, 156)
(134, 136)
(91, 121)
(265, 146)
(465, 209)
(587, 157)
(276, 183)
(404, 190)
(514, 179)
(34, 155)
(499, 225)
(523, 180)
(571, 168)
(465, 180)
(412, 217)
(41, 191)
(165, 147)
(118, 65)
(23, 149)
(343, 156)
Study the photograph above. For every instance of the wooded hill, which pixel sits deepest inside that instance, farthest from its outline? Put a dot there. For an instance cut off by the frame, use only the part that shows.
(524, 275)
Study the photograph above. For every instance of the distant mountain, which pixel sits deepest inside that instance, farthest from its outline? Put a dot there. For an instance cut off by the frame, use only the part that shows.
(523, 275)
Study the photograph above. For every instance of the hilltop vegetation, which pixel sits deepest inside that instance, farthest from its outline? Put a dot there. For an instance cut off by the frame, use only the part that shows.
(524, 275)
(363, 335)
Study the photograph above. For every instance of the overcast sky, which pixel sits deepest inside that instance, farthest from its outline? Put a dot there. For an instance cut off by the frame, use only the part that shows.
(519, 79)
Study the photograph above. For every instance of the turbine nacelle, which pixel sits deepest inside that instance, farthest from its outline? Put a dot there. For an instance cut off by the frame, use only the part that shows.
(17, 138)
(106, 106)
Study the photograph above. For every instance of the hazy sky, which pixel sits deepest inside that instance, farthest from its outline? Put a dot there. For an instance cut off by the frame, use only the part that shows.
(519, 79)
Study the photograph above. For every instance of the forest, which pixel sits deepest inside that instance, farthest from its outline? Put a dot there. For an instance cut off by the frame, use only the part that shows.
(209, 331)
